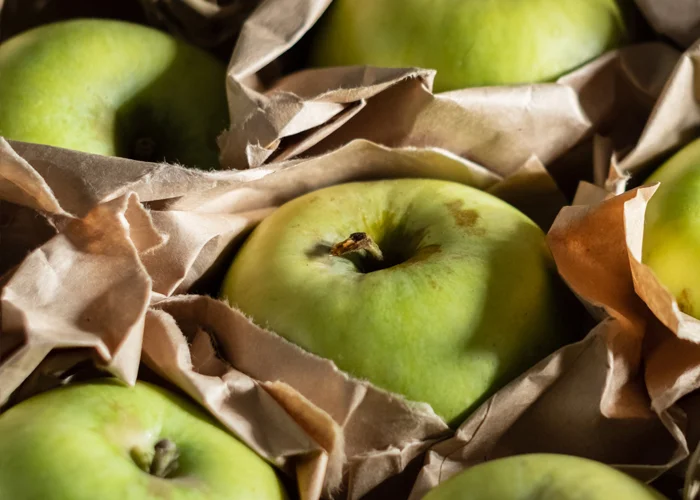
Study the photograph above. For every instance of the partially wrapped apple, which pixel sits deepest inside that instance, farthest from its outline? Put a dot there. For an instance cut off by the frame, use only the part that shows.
(430, 289)
(671, 238)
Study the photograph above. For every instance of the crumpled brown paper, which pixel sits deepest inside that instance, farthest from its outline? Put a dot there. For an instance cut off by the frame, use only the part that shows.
(672, 123)
(679, 19)
(165, 229)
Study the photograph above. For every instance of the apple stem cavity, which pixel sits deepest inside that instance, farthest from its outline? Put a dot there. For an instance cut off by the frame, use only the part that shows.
(357, 242)
(161, 461)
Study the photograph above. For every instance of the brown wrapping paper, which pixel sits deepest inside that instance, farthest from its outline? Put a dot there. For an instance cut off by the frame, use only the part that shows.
(672, 123)
(341, 433)
(679, 19)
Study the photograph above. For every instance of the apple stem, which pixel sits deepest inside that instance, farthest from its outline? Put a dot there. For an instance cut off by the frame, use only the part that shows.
(356, 242)
(165, 459)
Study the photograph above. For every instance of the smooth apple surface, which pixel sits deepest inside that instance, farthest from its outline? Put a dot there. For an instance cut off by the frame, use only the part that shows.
(98, 440)
(671, 245)
(113, 88)
(544, 477)
(470, 43)
(463, 300)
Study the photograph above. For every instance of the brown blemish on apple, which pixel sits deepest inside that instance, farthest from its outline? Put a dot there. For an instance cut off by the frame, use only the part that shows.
(465, 218)
(685, 303)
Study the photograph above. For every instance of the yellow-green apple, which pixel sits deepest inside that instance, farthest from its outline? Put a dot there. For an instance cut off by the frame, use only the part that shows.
(427, 288)
(105, 440)
(470, 42)
(544, 477)
(113, 88)
(671, 244)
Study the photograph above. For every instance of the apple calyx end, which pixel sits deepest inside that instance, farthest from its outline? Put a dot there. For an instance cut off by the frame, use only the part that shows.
(356, 242)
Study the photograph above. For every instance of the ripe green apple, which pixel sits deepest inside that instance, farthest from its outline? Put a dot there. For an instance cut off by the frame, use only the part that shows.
(430, 289)
(542, 477)
(113, 88)
(470, 43)
(102, 440)
(671, 245)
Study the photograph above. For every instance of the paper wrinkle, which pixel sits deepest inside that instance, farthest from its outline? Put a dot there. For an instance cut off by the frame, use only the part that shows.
(674, 119)
(272, 29)
(679, 20)
(106, 316)
(21, 185)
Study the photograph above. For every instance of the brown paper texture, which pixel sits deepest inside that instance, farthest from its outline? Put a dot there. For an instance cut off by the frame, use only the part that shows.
(671, 124)
(679, 19)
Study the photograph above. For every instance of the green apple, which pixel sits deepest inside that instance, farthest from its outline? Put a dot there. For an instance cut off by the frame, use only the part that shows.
(113, 88)
(671, 245)
(542, 477)
(470, 43)
(103, 440)
(430, 289)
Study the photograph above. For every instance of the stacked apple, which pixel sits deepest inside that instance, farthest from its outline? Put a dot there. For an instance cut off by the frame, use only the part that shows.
(431, 290)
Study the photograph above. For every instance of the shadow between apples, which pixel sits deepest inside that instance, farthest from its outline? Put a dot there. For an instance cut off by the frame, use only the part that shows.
(162, 123)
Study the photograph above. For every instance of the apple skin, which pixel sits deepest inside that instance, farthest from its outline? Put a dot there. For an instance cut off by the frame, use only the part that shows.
(671, 245)
(469, 303)
(471, 43)
(76, 443)
(544, 477)
(104, 87)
